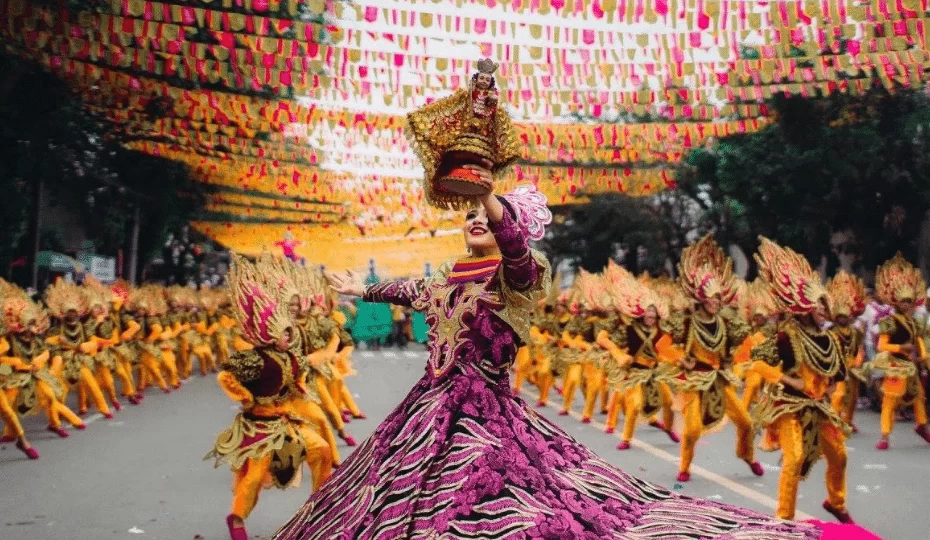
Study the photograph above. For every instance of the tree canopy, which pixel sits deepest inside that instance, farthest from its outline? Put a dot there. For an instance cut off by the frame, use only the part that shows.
(842, 164)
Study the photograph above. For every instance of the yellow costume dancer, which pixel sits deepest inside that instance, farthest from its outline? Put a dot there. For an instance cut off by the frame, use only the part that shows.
(28, 385)
(143, 301)
(203, 328)
(267, 442)
(101, 329)
(75, 362)
(847, 302)
(901, 346)
(801, 364)
(578, 326)
(759, 307)
(594, 291)
(226, 324)
(126, 329)
(704, 378)
(168, 324)
(12, 428)
(640, 352)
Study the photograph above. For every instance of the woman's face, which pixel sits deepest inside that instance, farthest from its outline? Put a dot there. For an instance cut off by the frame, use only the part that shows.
(478, 235)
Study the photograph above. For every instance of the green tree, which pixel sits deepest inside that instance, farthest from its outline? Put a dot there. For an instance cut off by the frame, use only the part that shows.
(842, 164)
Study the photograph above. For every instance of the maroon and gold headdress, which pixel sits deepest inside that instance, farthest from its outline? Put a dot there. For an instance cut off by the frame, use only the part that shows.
(790, 277)
(847, 295)
(757, 299)
(258, 295)
(64, 296)
(898, 280)
(706, 271)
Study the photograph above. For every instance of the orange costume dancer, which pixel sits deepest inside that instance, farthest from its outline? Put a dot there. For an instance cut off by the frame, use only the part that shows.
(603, 316)
(225, 333)
(544, 337)
(143, 301)
(640, 352)
(126, 329)
(203, 327)
(847, 302)
(901, 348)
(801, 364)
(74, 360)
(268, 442)
(704, 376)
(168, 323)
(578, 326)
(759, 307)
(101, 329)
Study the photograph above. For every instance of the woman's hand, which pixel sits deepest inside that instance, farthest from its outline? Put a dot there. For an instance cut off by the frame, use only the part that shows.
(492, 206)
(347, 282)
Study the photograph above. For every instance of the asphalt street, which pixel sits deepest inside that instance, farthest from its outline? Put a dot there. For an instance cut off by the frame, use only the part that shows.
(140, 476)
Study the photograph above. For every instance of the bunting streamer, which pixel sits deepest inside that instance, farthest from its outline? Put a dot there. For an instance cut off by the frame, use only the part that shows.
(295, 109)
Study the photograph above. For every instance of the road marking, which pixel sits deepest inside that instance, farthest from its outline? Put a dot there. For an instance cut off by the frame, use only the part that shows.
(696, 470)
(367, 354)
(390, 355)
(93, 418)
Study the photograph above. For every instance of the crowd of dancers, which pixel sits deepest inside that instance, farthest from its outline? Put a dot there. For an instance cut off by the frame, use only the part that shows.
(644, 348)
(110, 344)
(648, 348)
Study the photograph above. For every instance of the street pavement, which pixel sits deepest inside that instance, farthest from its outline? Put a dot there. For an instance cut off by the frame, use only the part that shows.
(141, 475)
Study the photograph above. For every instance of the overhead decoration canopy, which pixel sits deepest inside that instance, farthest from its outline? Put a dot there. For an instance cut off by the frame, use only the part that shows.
(295, 109)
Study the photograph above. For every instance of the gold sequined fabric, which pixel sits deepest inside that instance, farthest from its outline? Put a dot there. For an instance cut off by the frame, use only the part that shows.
(812, 414)
(253, 439)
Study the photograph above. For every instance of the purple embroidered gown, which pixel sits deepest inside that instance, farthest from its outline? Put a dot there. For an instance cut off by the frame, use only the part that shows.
(462, 457)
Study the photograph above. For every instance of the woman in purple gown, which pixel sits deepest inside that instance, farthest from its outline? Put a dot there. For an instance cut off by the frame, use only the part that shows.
(462, 457)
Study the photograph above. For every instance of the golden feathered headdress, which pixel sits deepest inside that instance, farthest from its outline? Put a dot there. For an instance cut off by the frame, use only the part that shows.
(756, 298)
(591, 291)
(121, 290)
(706, 271)
(258, 291)
(633, 297)
(65, 296)
(18, 311)
(790, 277)
(897, 280)
(847, 295)
(98, 294)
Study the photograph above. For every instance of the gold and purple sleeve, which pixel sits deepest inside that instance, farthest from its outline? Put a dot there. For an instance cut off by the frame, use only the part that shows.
(520, 268)
(401, 292)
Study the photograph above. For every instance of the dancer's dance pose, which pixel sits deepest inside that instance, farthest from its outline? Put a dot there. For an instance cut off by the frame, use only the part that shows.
(462, 457)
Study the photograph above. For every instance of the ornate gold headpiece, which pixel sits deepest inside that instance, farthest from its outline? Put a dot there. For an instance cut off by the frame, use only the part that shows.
(486, 66)
(98, 295)
(65, 296)
(592, 292)
(847, 295)
(706, 271)
(18, 311)
(258, 291)
(897, 280)
(757, 299)
(790, 277)
(634, 296)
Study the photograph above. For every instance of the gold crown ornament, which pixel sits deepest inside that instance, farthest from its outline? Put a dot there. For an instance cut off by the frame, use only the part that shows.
(793, 282)
(466, 128)
(897, 280)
